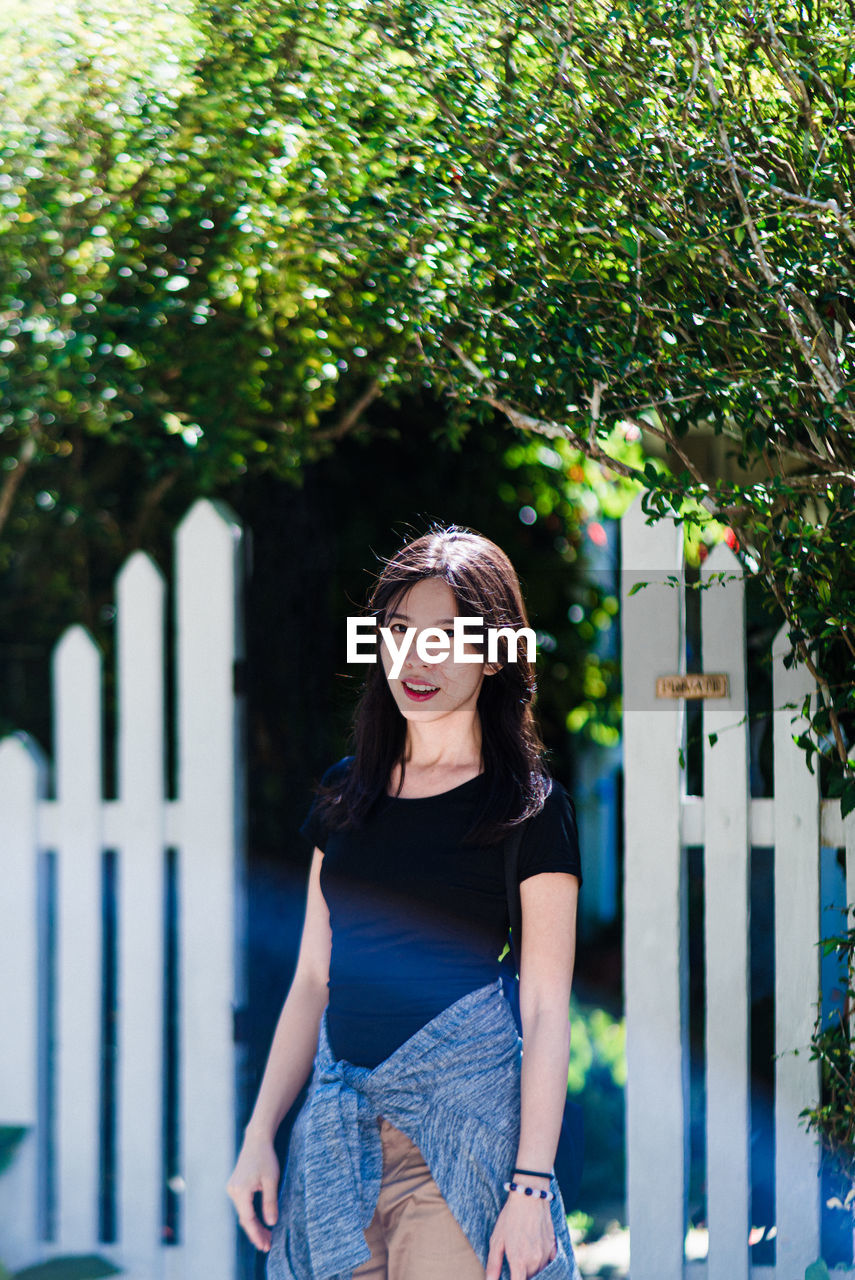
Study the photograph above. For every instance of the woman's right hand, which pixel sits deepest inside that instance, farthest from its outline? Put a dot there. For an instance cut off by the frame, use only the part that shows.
(257, 1169)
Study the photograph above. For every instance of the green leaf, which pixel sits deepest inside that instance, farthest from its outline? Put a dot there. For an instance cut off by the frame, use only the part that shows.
(847, 800)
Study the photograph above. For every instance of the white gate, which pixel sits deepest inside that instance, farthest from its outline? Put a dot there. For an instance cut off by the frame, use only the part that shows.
(64, 971)
(661, 821)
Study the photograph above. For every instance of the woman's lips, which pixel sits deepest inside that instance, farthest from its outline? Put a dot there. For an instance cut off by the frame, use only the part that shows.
(417, 694)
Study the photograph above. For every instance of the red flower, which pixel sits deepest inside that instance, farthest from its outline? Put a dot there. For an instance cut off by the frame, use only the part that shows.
(731, 539)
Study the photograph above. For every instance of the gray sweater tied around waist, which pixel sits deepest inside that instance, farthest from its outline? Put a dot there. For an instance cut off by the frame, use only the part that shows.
(454, 1089)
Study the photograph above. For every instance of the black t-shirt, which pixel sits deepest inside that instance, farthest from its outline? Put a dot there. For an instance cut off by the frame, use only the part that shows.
(418, 919)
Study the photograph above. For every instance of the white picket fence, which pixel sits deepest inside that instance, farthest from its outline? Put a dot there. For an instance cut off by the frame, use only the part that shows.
(661, 822)
(60, 1161)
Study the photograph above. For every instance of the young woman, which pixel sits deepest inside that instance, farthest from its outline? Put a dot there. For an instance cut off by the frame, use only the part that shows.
(425, 1147)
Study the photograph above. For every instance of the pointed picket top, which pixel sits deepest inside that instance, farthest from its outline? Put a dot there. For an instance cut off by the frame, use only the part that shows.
(140, 573)
(722, 557)
(76, 645)
(23, 764)
(651, 548)
(208, 518)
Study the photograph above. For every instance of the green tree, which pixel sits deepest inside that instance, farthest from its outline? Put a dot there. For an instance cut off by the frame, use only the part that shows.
(640, 215)
(231, 229)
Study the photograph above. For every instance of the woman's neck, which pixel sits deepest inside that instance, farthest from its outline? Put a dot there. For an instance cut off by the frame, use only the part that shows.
(444, 747)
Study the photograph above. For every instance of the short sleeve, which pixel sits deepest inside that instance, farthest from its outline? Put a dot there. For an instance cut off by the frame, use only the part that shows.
(313, 827)
(551, 840)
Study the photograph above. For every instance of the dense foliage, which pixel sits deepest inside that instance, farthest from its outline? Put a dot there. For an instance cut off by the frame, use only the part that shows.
(833, 1117)
(230, 230)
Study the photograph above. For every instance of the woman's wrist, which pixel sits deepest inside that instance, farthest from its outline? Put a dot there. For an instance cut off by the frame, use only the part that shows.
(259, 1130)
(527, 1181)
(518, 1190)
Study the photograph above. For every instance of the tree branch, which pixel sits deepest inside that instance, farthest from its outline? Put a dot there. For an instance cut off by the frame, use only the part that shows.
(351, 416)
(14, 477)
(802, 651)
(828, 386)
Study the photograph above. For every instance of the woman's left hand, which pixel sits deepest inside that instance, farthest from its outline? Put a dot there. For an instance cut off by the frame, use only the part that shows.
(524, 1235)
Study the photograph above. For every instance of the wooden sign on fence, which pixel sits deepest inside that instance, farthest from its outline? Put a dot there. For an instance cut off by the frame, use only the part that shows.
(697, 685)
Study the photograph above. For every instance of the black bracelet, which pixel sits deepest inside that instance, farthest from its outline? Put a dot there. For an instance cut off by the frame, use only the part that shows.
(530, 1173)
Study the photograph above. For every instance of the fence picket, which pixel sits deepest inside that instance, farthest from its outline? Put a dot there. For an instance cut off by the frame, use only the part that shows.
(77, 739)
(22, 779)
(654, 900)
(141, 756)
(797, 920)
(209, 644)
(727, 849)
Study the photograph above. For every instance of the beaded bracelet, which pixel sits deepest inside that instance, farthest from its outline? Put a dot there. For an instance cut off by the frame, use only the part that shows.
(529, 1191)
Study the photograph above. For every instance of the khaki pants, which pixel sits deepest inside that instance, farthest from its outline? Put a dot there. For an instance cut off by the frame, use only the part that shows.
(413, 1234)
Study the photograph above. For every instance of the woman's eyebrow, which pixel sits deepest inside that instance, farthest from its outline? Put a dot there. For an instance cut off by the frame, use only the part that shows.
(405, 617)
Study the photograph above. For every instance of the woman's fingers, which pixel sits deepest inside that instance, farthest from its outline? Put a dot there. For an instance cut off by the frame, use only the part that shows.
(243, 1199)
(256, 1172)
(256, 1232)
(494, 1259)
(269, 1203)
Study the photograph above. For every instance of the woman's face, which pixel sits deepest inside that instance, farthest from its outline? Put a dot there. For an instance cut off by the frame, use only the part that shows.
(427, 691)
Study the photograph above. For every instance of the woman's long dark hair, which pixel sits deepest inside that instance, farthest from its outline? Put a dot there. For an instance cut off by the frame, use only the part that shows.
(485, 584)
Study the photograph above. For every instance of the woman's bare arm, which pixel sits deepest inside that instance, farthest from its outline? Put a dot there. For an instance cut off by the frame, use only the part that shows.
(546, 975)
(289, 1063)
(295, 1039)
(524, 1229)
